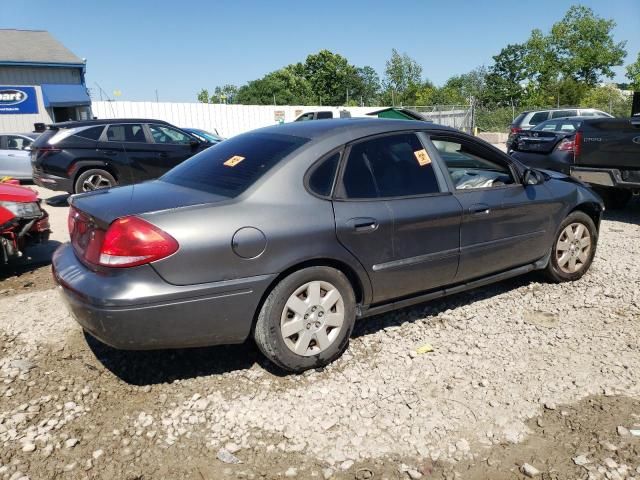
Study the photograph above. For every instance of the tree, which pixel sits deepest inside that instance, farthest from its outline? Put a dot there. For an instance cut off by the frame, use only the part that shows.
(224, 94)
(330, 76)
(584, 46)
(633, 74)
(203, 96)
(367, 86)
(608, 98)
(285, 87)
(505, 76)
(403, 78)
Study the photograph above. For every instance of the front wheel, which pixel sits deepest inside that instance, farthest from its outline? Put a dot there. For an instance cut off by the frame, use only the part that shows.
(307, 319)
(573, 249)
(93, 179)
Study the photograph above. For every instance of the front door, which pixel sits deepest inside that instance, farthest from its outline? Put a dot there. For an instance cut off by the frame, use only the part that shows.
(171, 147)
(395, 215)
(505, 224)
(14, 156)
(125, 146)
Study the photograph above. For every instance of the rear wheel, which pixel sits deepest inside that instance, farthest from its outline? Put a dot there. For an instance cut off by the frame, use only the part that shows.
(93, 179)
(307, 319)
(573, 249)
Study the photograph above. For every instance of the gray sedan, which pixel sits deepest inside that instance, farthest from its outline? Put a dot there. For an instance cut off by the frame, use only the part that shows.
(15, 149)
(290, 233)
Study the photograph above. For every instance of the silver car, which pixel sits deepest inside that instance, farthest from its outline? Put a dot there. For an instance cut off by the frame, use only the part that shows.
(15, 160)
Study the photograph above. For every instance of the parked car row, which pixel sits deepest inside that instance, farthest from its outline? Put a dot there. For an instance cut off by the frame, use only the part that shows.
(81, 156)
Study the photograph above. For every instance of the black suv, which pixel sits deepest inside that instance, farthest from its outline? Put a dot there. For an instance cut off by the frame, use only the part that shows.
(82, 156)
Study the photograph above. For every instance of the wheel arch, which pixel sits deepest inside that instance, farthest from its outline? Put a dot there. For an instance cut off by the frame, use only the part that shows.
(592, 209)
(357, 283)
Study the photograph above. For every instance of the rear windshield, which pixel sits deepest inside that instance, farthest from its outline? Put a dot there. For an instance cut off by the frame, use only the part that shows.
(232, 166)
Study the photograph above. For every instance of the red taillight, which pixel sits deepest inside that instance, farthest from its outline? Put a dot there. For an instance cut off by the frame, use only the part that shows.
(131, 241)
(128, 242)
(515, 130)
(566, 145)
(577, 149)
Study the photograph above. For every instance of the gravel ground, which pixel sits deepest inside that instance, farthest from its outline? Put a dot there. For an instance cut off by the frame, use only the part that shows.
(500, 358)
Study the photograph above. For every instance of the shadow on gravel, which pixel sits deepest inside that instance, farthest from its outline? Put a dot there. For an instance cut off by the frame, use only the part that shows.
(629, 214)
(36, 256)
(434, 307)
(164, 366)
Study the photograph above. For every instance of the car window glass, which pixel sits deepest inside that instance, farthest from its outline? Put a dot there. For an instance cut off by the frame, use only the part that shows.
(321, 179)
(164, 134)
(546, 127)
(234, 165)
(538, 117)
(92, 133)
(17, 143)
(128, 132)
(563, 113)
(324, 115)
(566, 127)
(588, 114)
(390, 166)
(469, 167)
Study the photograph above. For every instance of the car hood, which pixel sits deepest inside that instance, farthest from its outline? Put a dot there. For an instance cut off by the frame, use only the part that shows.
(15, 193)
(108, 204)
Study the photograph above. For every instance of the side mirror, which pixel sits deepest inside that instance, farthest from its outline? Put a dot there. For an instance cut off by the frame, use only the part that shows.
(194, 143)
(27, 148)
(532, 177)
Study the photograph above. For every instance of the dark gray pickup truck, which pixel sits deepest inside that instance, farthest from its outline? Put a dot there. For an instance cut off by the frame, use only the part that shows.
(607, 156)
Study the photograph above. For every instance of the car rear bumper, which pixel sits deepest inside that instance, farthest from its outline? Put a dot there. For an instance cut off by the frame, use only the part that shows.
(134, 309)
(608, 177)
(53, 182)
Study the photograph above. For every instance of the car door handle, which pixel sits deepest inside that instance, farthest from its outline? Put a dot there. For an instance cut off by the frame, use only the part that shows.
(108, 153)
(479, 209)
(363, 224)
(11, 155)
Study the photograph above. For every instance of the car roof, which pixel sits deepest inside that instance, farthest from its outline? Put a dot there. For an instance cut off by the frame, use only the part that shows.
(30, 134)
(104, 121)
(356, 125)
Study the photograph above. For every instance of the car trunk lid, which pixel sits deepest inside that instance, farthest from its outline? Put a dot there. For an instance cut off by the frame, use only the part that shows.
(537, 141)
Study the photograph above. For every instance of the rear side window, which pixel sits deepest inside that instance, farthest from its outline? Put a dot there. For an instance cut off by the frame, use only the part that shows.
(390, 166)
(128, 132)
(322, 176)
(92, 133)
(564, 113)
(232, 166)
(538, 117)
(518, 120)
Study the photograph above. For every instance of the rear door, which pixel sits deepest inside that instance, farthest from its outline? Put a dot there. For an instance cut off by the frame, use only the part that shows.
(394, 215)
(505, 224)
(171, 145)
(126, 145)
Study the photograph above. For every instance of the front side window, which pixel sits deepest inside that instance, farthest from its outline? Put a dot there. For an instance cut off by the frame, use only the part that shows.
(128, 132)
(17, 143)
(164, 134)
(235, 164)
(390, 166)
(471, 168)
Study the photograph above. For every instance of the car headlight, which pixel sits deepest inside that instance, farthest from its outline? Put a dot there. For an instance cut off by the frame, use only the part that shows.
(23, 209)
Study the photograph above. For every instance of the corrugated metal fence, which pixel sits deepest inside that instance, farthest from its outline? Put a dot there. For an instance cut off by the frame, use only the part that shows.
(231, 120)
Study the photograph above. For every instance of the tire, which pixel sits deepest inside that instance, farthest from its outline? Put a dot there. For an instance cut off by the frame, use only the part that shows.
(570, 258)
(302, 349)
(614, 198)
(97, 177)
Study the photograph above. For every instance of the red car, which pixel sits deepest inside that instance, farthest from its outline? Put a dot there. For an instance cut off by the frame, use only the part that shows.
(22, 221)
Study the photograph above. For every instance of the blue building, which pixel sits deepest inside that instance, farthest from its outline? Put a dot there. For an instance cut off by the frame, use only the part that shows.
(41, 81)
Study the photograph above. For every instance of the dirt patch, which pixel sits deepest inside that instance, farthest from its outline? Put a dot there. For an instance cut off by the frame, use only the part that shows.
(17, 279)
(568, 442)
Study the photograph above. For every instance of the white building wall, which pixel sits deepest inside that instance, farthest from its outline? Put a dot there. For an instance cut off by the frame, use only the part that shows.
(228, 120)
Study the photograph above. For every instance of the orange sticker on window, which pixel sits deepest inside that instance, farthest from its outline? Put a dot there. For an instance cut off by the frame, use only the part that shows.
(423, 157)
(233, 161)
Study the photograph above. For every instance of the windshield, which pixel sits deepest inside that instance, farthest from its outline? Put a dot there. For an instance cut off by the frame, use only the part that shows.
(204, 135)
(234, 165)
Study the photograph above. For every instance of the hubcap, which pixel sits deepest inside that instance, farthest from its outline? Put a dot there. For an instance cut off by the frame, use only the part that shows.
(312, 318)
(94, 182)
(573, 248)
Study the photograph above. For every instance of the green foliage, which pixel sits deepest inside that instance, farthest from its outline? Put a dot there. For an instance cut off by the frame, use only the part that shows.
(224, 94)
(203, 96)
(403, 79)
(330, 76)
(633, 74)
(608, 98)
(286, 86)
(494, 120)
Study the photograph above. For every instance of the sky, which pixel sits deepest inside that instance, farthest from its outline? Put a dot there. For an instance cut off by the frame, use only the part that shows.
(177, 48)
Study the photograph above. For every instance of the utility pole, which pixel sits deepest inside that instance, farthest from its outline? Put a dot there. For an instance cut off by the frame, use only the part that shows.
(156, 95)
